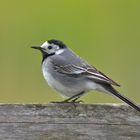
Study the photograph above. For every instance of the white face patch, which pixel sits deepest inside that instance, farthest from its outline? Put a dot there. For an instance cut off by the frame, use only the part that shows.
(45, 45)
(51, 48)
(59, 51)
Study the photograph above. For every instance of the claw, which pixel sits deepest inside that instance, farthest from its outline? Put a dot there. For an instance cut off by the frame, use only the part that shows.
(80, 101)
(73, 101)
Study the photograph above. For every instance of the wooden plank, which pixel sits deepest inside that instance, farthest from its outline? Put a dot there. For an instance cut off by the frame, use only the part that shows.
(68, 122)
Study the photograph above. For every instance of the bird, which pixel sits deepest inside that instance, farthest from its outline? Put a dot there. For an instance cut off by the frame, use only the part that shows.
(71, 76)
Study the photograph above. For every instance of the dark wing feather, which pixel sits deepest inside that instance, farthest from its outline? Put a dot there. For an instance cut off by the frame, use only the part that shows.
(85, 70)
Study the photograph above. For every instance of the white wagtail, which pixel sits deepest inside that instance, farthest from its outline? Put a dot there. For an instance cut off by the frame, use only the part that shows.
(71, 76)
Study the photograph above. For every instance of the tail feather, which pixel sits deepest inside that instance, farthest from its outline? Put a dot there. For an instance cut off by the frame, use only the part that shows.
(110, 89)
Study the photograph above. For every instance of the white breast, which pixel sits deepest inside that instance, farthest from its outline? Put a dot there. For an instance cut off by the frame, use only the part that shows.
(58, 86)
(49, 78)
(64, 89)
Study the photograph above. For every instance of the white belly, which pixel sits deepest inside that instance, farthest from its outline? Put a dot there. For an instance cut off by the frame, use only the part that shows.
(68, 89)
(58, 86)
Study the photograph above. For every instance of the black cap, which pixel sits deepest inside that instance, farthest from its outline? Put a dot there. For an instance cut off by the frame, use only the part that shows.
(57, 42)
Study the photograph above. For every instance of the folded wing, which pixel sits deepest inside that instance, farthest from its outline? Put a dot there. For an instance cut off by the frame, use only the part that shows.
(85, 70)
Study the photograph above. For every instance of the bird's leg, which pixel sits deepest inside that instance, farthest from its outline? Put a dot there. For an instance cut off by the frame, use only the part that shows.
(74, 98)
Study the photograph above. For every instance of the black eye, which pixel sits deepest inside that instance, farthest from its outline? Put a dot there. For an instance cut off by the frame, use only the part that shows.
(49, 47)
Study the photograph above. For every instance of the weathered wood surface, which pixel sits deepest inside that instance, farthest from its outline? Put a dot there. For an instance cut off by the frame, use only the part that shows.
(68, 122)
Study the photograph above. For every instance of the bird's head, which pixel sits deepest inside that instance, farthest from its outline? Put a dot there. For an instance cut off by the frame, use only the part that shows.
(51, 47)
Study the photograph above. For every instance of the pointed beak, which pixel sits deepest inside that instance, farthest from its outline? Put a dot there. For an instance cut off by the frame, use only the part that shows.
(36, 47)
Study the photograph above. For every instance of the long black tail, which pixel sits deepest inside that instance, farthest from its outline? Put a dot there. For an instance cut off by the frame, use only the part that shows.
(110, 89)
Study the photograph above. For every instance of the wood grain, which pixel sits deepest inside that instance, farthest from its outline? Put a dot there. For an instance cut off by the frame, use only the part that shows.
(69, 122)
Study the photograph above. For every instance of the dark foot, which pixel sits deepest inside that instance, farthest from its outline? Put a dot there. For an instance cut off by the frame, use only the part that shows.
(58, 102)
(75, 101)
(72, 99)
(65, 101)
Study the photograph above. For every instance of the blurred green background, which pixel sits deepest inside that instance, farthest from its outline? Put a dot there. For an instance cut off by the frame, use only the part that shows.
(104, 32)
